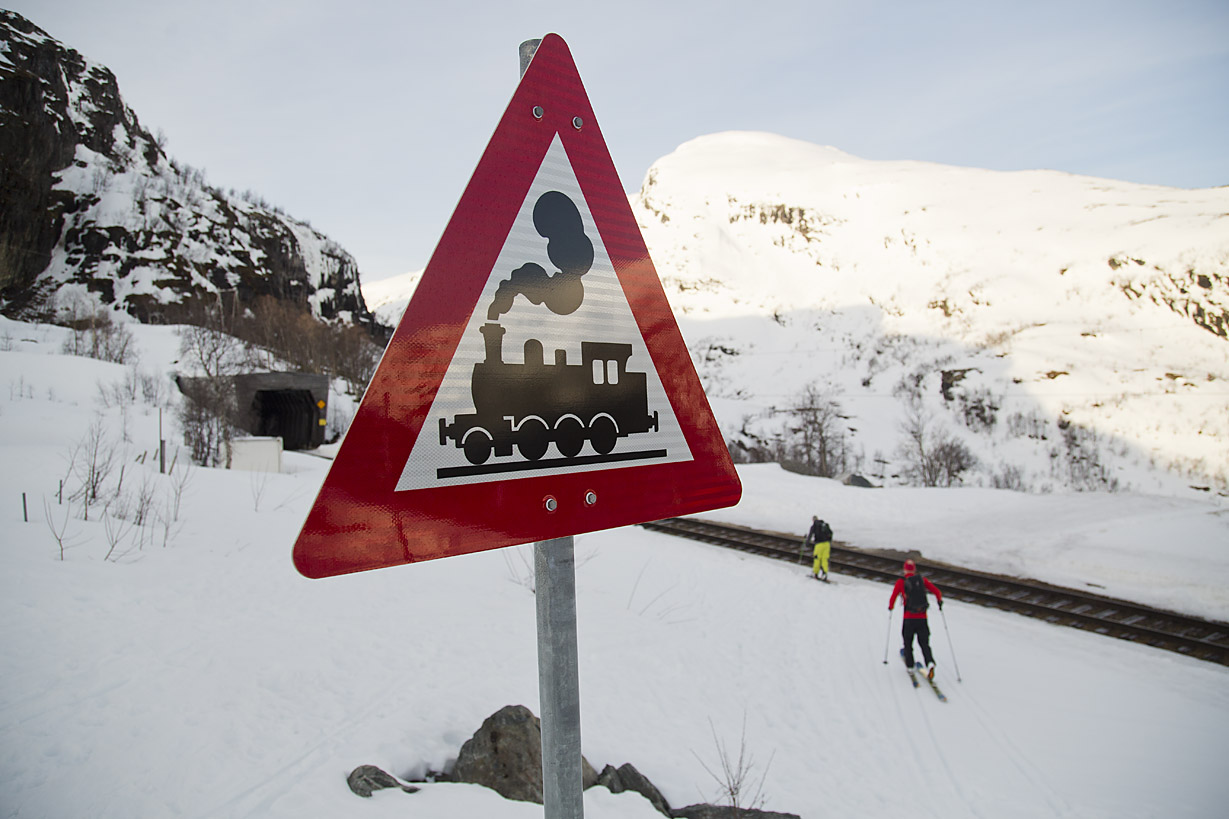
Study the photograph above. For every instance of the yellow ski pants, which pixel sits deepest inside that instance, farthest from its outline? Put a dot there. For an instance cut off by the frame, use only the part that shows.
(822, 550)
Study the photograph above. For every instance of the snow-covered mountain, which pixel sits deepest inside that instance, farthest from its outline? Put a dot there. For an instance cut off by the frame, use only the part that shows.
(93, 212)
(1069, 332)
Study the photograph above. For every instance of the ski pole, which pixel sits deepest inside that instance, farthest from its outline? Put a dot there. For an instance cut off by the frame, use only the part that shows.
(887, 640)
(955, 664)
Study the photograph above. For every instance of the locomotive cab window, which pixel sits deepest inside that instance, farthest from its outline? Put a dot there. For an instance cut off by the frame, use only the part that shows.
(605, 372)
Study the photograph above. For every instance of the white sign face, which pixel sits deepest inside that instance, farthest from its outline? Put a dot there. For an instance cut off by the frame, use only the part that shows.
(551, 375)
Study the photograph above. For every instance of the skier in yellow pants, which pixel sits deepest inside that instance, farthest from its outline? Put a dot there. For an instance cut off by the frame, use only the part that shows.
(820, 535)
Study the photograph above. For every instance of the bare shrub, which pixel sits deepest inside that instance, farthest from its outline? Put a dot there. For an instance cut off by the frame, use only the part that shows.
(95, 334)
(735, 776)
(206, 418)
(213, 352)
(816, 433)
(1079, 460)
(154, 389)
(58, 525)
(179, 484)
(94, 460)
(1010, 477)
(258, 482)
(980, 410)
(116, 531)
(932, 456)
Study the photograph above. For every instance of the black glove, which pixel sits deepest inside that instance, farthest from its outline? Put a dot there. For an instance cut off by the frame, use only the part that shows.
(940, 605)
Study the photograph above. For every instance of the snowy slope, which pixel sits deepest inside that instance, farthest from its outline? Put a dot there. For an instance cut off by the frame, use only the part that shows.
(195, 674)
(1049, 297)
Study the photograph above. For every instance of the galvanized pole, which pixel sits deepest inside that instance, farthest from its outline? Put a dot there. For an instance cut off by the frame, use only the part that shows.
(554, 563)
(527, 50)
(558, 678)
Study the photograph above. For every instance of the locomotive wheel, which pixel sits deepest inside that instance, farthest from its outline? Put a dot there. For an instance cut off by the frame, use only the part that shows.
(569, 437)
(532, 439)
(603, 434)
(477, 447)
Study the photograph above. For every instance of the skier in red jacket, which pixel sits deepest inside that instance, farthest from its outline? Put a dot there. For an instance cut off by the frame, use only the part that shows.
(912, 589)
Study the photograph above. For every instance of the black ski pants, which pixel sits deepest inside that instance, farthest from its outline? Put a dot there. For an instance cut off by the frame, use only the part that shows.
(921, 629)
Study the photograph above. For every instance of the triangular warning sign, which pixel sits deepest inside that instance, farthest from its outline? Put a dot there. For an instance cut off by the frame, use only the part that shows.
(537, 385)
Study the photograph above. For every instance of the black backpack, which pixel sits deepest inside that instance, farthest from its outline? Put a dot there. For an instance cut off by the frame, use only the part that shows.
(915, 594)
(825, 531)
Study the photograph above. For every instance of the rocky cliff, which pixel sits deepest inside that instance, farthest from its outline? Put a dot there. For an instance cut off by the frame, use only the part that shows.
(93, 212)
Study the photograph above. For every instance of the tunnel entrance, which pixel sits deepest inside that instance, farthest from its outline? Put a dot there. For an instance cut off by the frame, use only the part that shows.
(288, 414)
(287, 405)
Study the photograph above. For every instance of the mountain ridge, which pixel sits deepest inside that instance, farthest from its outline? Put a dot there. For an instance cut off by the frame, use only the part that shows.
(96, 213)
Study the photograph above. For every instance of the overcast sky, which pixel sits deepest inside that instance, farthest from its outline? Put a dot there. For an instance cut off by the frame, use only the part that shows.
(367, 118)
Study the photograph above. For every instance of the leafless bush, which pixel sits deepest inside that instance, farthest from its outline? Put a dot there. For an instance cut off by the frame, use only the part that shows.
(154, 389)
(1010, 477)
(932, 456)
(737, 784)
(95, 334)
(206, 418)
(165, 520)
(94, 459)
(816, 434)
(980, 410)
(179, 483)
(143, 502)
(58, 528)
(214, 353)
(258, 482)
(1080, 458)
(122, 393)
(116, 531)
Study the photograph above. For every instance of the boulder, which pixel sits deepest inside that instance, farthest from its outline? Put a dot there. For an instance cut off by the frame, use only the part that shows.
(627, 778)
(727, 812)
(366, 779)
(505, 755)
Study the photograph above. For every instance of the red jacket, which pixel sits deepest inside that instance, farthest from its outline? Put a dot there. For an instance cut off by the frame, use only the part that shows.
(899, 590)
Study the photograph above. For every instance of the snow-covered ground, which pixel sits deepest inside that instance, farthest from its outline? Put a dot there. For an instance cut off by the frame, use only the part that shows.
(196, 674)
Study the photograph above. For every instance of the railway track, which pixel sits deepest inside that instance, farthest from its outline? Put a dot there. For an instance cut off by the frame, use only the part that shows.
(1203, 639)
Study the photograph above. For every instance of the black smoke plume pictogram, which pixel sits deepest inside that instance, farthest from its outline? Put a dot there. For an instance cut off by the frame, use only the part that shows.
(556, 219)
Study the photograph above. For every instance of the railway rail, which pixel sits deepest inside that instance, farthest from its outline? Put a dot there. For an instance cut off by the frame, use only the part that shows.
(1194, 637)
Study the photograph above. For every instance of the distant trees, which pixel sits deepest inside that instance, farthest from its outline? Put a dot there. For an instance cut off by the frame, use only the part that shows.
(208, 416)
(95, 334)
(819, 439)
(281, 330)
(812, 439)
(271, 334)
(932, 456)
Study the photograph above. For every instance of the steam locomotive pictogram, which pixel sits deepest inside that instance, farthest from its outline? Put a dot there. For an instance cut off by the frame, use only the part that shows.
(529, 406)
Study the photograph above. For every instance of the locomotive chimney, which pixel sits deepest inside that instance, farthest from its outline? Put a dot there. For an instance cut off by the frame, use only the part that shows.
(494, 335)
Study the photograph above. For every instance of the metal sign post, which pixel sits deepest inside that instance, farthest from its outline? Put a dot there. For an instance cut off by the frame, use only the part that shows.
(558, 678)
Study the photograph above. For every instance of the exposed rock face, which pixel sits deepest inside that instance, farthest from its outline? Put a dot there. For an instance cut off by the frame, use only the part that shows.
(366, 779)
(627, 778)
(725, 812)
(505, 754)
(92, 209)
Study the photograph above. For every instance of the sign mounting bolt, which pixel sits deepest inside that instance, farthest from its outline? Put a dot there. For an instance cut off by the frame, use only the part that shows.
(538, 112)
(590, 498)
(577, 123)
(550, 503)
